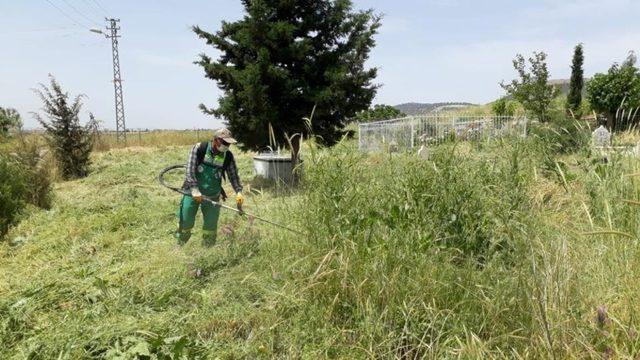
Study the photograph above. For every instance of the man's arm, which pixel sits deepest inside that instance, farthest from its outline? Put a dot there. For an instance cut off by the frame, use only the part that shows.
(190, 179)
(232, 173)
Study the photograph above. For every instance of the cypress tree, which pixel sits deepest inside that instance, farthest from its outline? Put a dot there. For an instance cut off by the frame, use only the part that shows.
(574, 99)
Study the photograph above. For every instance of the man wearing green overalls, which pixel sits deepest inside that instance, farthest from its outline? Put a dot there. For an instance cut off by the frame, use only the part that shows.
(209, 162)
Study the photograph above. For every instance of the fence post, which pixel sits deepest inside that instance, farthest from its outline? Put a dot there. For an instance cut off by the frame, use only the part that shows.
(412, 134)
(453, 126)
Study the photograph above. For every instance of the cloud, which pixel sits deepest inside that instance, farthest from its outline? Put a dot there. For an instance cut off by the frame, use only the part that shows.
(472, 72)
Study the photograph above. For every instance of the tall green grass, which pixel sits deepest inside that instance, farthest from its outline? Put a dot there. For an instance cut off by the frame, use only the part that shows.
(498, 250)
(472, 254)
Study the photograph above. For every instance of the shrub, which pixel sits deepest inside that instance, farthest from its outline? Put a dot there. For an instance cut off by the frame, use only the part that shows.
(23, 180)
(504, 107)
(532, 90)
(71, 143)
(37, 162)
(13, 187)
(562, 135)
(9, 121)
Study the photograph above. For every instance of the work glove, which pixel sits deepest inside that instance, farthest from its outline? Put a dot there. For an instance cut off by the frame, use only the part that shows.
(196, 195)
(239, 201)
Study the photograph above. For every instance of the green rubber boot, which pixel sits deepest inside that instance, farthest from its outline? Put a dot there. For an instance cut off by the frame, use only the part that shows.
(182, 236)
(208, 238)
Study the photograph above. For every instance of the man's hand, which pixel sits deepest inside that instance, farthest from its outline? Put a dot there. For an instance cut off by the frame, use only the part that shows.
(196, 195)
(239, 201)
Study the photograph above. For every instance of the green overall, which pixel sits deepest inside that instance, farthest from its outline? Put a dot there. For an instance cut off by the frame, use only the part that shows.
(209, 177)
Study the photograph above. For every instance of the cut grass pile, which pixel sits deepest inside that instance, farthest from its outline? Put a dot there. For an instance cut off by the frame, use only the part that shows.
(496, 250)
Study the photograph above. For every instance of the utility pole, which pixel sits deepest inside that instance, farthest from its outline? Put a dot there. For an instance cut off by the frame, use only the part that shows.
(113, 28)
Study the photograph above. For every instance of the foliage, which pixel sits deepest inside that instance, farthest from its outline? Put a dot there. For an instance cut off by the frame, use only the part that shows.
(9, 120)
(23, 180)
(497, 251)
(39, 166)
(504, 107)
(532, 90)
(70, 142)
(379, 112)
(13, 186)
(285, 58)
(563, 135)
(576, 84)
(618, 89)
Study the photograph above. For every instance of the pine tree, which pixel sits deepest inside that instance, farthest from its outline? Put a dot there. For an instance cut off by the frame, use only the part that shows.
(283, 59)
(70, 142)
(574, 99)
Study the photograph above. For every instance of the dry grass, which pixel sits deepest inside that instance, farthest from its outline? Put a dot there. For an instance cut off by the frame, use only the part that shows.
(153, 138)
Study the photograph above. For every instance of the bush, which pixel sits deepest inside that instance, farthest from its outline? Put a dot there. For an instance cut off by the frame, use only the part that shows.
(38, 163)
(504, 107)
(9, 121)
(563, 135)
(23, 180)
(13, 187)
(71, 143)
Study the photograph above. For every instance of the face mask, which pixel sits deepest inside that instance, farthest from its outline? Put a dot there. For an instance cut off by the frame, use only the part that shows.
(223, 148)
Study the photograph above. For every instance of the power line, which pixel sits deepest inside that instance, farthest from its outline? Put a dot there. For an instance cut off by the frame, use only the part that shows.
(67, 15)
(100, 6)
(79, 13)
(64, 32)
(92, 8)
(63, 28)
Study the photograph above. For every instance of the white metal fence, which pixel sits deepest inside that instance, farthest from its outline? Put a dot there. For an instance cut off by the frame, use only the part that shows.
(415, 131)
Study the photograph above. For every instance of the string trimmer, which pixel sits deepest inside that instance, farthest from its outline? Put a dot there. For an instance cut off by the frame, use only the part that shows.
(216, 203)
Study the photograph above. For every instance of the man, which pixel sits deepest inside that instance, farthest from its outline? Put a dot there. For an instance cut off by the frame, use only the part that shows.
(209, 161)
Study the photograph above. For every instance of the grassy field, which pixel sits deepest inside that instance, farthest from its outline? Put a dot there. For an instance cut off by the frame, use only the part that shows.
(108, 140)
(500, 250)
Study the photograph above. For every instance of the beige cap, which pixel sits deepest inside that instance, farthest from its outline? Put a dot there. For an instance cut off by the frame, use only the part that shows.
(225, 135)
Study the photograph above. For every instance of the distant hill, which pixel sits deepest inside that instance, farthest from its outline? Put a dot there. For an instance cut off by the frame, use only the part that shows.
(561, 84)
(425, 108)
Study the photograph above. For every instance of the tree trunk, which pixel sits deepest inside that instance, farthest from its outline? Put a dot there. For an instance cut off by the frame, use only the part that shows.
(295, 157)
(610, 122)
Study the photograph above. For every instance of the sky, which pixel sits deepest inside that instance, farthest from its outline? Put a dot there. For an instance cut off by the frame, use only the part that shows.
(427, 51)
